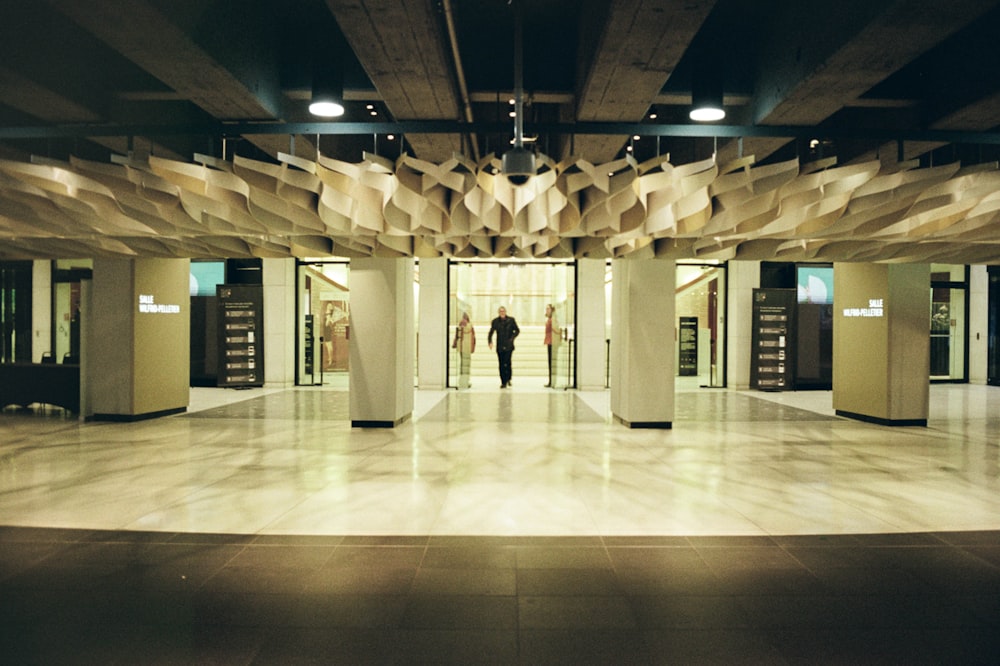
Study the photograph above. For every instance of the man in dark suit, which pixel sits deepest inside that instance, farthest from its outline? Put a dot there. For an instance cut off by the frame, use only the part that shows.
(506, 330)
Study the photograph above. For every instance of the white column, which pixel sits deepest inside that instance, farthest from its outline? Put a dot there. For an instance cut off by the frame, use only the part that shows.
(881, 344)
(742, 277)
(41, 310)
(382, 347)
(591, 335)
(979, 300)
(643, 336)
(278, 277)
(432, 326)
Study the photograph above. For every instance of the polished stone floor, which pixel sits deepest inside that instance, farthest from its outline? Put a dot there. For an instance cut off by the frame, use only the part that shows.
(519, 526)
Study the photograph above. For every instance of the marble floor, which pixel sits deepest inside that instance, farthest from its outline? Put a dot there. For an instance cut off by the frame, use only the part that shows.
(517, 527)
(522, 462)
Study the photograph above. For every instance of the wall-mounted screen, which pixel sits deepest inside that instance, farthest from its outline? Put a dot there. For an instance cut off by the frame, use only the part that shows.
(814, 284)
(205, 276)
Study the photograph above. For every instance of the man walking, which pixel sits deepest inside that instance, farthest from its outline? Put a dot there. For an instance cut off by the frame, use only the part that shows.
(506, 329)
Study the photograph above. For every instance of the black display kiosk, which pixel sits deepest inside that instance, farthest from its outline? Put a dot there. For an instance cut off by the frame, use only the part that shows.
(241, 335)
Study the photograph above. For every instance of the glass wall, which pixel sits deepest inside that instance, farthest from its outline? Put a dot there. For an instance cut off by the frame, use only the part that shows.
(15, 312)
(323, 311)
(68, 273)
(701, 330)
(478, 288)
(949, 305)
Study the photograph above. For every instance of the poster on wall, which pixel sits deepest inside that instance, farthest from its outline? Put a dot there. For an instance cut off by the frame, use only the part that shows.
(241, 335)
(772, 364)
(334, 332)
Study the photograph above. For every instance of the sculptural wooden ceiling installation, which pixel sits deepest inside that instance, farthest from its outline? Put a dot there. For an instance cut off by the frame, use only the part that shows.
(304, 208)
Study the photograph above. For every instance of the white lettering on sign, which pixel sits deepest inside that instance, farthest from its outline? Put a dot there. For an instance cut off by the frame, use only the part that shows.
(148, 305)
(874, 309)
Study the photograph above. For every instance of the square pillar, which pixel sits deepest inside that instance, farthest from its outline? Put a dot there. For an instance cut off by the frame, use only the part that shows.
(591, 336)
(881, 342)
(432, 326)
(642, 342)
(382, 345)
(138, 351)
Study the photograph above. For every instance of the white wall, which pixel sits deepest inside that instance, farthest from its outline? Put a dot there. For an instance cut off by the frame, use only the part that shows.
(591, 346)
(742, 278)
(41, 309)
(432, 333)
(279, 322)
(979, 284)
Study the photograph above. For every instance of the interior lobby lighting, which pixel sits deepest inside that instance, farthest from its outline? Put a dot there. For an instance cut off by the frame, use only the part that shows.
(327, 99)
(706, 97)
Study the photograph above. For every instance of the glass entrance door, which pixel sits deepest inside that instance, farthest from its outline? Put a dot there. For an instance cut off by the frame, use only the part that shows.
(701, 331)
(993, 328)
(948, 323)
(525, 289)
(324, 307)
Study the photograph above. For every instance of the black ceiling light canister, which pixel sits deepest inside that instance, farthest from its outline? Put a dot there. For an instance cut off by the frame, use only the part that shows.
(327, 100)
(706, 91)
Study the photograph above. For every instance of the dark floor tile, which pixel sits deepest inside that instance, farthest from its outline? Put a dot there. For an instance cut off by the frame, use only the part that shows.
(650, 541)
(281, 557)
(454, 612)
(690, 612)
(465, 582)
(644, 557)
(11, 534)
(361, 580)
(973, 538)
(208, 539)
(883, 581)
(324, 646)
(298, 540)
(567, 582)
(471, 556)
(990, 554)
(16, 556)
(816, 540)
(899, 539)
(128, 536)
(362, 540)
(575, 612)
(710, 646)
(644, 582)
(256, 581)
(844, 557)
(805, 612)
(546, 557)
(459, 647)
(879, 646)
(748, 557)
(375, 557)
(731, 541)
(770, 582)
(170, 645)
(573, 647)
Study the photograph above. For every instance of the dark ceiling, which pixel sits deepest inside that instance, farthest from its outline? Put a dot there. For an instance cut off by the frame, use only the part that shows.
(914, 82)
(855, 73)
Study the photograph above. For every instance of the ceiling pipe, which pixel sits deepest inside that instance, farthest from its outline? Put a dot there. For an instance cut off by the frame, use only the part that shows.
(518, 163)
(463, 88)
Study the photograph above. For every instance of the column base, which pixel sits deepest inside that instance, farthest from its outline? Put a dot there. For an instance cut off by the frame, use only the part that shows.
(657, 425)
(880, 421)
(379, 424)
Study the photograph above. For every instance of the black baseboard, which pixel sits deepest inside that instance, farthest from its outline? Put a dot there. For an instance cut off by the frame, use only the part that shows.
(128, 418)
(651, 425)
(379, 424)
(881, 421)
